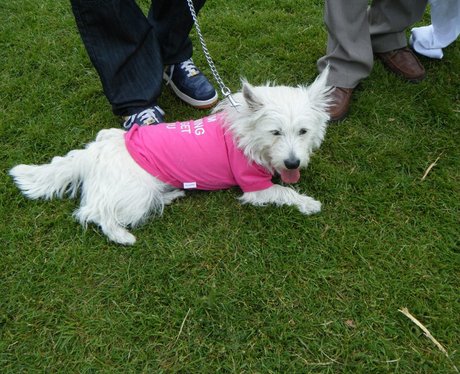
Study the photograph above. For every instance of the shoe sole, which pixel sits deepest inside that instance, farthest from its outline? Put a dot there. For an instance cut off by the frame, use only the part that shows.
(199, 104)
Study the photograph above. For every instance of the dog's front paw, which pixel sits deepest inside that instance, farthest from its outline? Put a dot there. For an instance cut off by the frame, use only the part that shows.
(309, 205)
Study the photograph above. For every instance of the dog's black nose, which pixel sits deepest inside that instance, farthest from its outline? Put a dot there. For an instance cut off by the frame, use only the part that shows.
(292, 163)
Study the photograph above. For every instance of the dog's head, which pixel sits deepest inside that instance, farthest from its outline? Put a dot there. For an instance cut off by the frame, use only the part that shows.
(279, 127)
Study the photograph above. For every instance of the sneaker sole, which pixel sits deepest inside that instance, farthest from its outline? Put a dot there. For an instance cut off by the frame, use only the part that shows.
(199, 104)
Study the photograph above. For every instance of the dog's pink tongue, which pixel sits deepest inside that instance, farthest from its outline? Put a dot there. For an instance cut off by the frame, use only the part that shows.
(290, 175)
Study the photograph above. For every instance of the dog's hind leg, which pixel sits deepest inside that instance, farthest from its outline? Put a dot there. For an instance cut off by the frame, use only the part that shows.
(117, 193)
(114, 230)
(169, 197)
(280, 195)
(124, 204)
(117, 233)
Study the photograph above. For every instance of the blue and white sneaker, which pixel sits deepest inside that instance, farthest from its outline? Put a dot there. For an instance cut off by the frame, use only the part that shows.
(149, 116)
(190, 84)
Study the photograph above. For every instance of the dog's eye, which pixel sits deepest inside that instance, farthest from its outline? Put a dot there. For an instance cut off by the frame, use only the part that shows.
(276, 132)
(302, 131)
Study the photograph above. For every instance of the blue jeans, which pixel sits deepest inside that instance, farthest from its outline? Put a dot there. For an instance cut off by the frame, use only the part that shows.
(129, 49)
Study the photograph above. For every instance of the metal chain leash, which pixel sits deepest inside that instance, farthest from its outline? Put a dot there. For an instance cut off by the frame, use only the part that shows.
(223, 88)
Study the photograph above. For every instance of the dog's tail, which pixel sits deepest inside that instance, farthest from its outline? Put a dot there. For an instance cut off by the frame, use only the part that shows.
(62, 175)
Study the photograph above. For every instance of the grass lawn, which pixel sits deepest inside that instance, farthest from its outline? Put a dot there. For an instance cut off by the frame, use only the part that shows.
(213, 286)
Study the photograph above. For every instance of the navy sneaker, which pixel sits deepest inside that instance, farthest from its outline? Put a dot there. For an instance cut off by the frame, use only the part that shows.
(190, 84)
(149, 116)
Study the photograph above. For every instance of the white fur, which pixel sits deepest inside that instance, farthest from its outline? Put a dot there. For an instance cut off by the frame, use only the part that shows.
(116, 193)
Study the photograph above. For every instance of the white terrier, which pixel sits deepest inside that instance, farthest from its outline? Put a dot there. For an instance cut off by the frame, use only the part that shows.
(126, 176)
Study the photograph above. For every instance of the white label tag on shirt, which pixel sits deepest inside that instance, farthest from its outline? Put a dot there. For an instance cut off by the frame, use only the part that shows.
(189, 185)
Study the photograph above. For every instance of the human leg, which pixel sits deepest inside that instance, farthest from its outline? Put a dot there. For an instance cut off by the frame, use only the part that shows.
(124, 49)
(349, 52)
(388, 21)
(172, 21)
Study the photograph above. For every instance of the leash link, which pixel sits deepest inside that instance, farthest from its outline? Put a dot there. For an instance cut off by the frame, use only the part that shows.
(223, 88)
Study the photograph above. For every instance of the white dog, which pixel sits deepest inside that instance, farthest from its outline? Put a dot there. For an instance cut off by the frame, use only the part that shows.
(274, 130)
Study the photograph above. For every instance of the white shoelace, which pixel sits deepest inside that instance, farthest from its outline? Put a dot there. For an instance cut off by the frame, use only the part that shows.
(146, 117)
(189, 67)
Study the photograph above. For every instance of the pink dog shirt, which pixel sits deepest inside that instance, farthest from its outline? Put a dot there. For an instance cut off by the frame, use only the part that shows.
(196, 154)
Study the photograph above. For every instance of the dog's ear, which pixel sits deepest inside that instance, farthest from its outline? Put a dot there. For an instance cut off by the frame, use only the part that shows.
(319, 91)
(254, 103)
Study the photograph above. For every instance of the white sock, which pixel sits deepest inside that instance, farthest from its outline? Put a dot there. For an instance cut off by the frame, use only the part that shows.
(445, 28)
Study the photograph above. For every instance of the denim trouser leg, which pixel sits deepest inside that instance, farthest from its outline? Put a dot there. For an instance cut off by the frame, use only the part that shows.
(173, 22)
(127, 49)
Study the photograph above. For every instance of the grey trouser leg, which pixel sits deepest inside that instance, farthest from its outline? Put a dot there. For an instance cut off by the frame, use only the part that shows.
(388, 21)
(356, 32)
